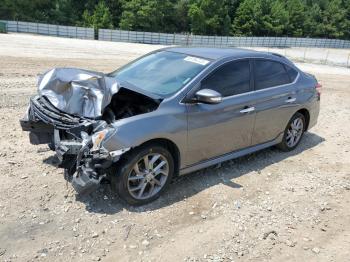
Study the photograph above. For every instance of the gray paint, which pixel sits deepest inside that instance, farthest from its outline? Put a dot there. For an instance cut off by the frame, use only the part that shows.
(208, 134)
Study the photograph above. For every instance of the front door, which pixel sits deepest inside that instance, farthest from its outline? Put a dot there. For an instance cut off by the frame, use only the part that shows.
(214, 130)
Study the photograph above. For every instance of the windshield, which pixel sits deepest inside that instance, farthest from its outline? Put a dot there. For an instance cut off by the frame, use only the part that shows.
(162, 73)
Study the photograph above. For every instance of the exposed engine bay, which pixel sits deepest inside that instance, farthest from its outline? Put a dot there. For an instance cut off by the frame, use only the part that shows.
(74, 113)
(127, 103)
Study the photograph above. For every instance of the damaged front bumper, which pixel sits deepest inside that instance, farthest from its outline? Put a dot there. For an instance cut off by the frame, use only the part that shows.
(77, 142)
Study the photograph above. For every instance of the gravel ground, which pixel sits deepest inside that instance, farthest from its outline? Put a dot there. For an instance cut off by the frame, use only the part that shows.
(268, 206)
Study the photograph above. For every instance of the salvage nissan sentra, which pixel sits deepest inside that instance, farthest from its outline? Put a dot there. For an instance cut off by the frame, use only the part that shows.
(173, 111)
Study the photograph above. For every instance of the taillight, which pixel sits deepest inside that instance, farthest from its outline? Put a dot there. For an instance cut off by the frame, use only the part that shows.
(318, 89)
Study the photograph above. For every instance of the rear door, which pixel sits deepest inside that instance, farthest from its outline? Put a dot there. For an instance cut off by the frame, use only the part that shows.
(216, 129)
(275, 98)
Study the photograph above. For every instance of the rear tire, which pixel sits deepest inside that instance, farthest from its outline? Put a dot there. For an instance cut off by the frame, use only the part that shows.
(143, 174)
(293, 133)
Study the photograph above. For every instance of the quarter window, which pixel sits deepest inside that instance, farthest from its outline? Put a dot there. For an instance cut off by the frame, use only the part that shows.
(270, 74)
(230, 79)
(292, 73)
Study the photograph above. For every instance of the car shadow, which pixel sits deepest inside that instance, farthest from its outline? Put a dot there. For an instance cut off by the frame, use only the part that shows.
(189, 185)
(104, 201)
(52, 161)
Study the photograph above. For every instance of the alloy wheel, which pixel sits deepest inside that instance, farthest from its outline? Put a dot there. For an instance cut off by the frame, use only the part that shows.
(294, 132)
(148, 176)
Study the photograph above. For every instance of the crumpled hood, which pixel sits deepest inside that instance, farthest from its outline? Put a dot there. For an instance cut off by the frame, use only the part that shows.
(77, 91)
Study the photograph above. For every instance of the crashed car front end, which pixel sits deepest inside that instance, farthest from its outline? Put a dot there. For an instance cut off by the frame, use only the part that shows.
(74, 114)
(77, 142)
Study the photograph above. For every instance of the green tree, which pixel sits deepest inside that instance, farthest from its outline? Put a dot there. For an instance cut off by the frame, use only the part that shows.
(31, 11)
(297, 17)
(252, 18)
(261, 18)
(197, 18)
(7, 10)
(100, 18)
(347, 8)
(151, 15)
(232, 6)
(279, 19)
(214, 13)
(334, 20)
(313, 21)
(209, 17)
(310, 18)
(62, 13)
(247, 18)
(182, 21)
(226, 27)
(129, 17)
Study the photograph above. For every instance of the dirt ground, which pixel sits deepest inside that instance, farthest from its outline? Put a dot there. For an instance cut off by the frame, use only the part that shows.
(268, 206)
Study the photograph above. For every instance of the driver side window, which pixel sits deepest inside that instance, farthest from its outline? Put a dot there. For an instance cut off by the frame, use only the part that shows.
(232, 78)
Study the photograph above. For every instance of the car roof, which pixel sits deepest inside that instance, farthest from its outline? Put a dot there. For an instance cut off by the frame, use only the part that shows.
(219, 53)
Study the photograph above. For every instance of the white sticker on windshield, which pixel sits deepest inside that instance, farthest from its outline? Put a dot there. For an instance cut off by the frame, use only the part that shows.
(196, 60)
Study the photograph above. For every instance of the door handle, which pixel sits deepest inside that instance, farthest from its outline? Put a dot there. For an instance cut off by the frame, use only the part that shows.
(290, 100)
(247, 110)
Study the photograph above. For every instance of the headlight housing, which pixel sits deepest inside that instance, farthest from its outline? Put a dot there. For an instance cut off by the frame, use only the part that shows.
(100, 136)
(97, 139)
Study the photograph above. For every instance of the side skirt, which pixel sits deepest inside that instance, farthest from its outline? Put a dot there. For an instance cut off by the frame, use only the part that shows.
(229, 156)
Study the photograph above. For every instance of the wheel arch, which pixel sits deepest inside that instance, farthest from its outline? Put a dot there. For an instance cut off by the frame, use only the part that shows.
(171, 146)
(306, 114)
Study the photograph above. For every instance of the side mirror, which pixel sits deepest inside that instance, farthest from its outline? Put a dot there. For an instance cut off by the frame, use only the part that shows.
(207, 96)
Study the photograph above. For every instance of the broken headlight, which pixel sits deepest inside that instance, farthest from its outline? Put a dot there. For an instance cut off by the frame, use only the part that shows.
(98, 137)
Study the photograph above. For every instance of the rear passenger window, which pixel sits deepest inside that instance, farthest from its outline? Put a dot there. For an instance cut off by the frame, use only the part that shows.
(270, 74)
(230, 79)
(292, 73)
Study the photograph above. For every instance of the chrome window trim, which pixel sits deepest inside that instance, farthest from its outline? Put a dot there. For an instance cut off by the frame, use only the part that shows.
(238, 95)
(261, 90)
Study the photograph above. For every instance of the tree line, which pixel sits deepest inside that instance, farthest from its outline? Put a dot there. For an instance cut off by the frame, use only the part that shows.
(295, 18)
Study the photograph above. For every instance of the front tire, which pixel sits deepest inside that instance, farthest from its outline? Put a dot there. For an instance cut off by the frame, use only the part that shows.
(293, 133)
(143, 174)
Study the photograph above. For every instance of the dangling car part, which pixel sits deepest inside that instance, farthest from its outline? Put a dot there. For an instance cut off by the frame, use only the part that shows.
(173, 111)
(73, 113)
